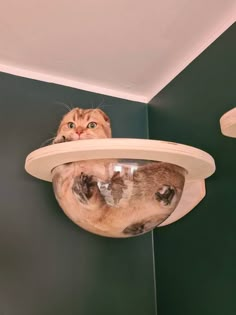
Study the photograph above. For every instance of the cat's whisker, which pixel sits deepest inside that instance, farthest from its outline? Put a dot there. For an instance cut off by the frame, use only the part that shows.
(105, 105)
(100, 104)
(48, 141)
(66, 106)
(92, 104)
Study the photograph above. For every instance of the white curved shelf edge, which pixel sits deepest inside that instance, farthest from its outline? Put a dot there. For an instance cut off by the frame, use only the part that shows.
(228, 123)
(198, 163)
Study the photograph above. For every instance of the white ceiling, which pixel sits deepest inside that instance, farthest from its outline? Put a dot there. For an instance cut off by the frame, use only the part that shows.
(125, 48)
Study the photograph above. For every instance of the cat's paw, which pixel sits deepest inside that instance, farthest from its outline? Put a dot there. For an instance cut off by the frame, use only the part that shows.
(59, 140)
(165, 195)
(135, 229)
(141, 227)
(83, 187)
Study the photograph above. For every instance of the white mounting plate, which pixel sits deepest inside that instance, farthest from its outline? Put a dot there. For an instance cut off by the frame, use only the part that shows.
(228, 123)
(198, 163)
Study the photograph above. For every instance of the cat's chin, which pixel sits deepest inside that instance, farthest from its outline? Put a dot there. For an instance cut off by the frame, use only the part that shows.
(85, 138)
(74, 137)
(88, 137)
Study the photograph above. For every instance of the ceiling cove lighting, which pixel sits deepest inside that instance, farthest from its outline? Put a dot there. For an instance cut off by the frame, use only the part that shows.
(123, 187)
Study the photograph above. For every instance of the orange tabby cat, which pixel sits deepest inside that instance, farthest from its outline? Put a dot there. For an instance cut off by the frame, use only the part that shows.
(107, 200)
(80, 124)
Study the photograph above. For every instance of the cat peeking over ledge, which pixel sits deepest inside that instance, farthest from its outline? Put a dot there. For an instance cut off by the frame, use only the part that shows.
(111, 201)
(81, 124)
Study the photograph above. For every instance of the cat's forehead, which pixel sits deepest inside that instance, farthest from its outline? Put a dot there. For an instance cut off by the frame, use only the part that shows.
(82, 114)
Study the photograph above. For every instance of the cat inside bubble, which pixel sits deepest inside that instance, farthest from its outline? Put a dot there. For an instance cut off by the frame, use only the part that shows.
(110, 197)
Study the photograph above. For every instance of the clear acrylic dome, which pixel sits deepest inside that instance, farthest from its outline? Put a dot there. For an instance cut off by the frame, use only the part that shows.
(118, 198)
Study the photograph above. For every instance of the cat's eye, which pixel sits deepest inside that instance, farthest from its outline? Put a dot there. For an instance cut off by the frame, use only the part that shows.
(71, 125)
(92, 125)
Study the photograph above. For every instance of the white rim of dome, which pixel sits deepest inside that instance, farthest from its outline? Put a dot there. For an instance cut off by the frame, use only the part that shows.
(198, 164)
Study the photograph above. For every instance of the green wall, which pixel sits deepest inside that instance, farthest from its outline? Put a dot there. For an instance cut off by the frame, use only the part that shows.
(48, 265)
(196, 256)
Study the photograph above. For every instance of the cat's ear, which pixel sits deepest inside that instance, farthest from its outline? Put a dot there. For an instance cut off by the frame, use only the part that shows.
(106, 118)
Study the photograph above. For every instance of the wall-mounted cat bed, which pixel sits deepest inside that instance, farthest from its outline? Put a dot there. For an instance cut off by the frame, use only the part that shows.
(228, 123)
(123, 187)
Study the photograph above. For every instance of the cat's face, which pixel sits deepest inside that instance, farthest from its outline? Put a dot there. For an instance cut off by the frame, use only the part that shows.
(80, 124)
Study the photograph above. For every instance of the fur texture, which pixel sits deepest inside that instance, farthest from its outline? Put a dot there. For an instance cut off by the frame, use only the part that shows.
(80, 124)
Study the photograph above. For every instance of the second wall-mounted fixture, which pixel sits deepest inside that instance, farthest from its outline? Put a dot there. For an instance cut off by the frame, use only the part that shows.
(228, 123)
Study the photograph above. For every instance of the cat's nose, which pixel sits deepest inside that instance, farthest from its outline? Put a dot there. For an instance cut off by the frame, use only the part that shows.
(79, 131)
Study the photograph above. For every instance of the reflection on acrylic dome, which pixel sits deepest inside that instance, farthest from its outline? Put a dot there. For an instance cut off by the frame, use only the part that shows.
(118, 198)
